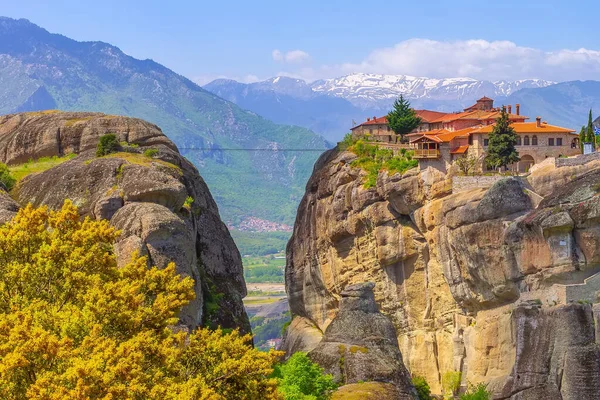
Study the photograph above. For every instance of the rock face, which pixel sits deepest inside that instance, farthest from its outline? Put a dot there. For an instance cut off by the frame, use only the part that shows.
(360, 344)
(142, 196)
(467, 278)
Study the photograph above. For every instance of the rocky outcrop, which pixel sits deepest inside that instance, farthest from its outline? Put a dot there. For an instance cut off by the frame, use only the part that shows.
(142, 196)
(360, 344)
(453, 270)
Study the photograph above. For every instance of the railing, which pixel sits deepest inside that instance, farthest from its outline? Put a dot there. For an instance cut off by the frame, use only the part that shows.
(426, 153)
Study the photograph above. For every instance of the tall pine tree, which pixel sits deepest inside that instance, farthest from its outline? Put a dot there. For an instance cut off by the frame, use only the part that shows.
(590, 136)
(501, 146)
(403, 119)
(582, 137)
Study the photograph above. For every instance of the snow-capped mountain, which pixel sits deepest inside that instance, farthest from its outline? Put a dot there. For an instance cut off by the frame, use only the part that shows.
(376, 90)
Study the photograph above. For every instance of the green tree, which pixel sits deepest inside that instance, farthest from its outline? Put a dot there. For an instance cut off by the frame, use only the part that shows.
(582, 137)
(108, 144)
(476, 392)
(501, 147)
(403, 119)
(423, 390)
(301, 379)
(6, 178)
(590, 136)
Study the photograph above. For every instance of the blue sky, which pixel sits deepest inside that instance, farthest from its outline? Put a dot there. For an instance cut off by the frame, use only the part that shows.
(249, 40)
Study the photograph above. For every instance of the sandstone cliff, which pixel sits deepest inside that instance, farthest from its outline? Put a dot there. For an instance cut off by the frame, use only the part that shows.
(498, 283)
(143, 196)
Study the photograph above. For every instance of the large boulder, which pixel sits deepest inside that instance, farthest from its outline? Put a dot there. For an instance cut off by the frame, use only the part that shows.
(360, 344)
(142, 196)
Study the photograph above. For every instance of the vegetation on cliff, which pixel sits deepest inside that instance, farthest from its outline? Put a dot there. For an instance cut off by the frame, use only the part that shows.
(74, 325)
(374, 159)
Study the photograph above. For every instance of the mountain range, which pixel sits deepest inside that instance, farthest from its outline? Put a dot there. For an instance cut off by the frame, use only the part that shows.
(331, 106)
(254, 167)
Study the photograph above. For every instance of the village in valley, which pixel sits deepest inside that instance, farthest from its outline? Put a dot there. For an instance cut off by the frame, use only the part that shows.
(441, 140)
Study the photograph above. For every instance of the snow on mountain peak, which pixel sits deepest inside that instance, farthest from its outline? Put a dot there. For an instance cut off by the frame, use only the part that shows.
(367, 90)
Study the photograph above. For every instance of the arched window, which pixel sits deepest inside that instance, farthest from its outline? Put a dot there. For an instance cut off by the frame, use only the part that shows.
(518, 140)
(534, 140)
(526, 140)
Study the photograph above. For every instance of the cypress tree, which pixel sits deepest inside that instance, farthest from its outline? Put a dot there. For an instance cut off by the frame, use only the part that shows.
(501, 147)
(403, 119)
(591, 137)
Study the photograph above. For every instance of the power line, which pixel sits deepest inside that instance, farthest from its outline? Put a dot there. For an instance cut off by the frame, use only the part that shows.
(274, 150)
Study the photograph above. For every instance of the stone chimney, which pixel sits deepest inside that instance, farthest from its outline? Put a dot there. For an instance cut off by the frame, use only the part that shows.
(518, 107)
(368, 119)
(509, 109)
(374, 118)
(538, 121)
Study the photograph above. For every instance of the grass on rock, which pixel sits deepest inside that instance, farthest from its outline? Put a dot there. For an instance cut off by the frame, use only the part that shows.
(42, 164)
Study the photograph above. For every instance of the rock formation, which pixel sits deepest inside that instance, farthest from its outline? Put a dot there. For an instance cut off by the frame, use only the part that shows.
(495, 282)
(142, 196)
(360, 344)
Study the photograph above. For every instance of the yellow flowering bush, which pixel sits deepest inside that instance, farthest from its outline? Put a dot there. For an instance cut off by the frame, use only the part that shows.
(75, 326)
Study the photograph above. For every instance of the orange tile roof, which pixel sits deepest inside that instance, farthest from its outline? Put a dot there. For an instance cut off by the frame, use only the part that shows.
(429, 116)
(430, 137)
(460, 149)
(531, 127)
(479, 115)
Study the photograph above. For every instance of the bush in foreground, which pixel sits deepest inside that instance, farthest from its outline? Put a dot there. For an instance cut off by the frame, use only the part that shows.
(301, 379)
(74, 326)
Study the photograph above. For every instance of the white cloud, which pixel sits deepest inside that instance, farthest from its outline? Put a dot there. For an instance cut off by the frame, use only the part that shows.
(291, 57)
(478, 59)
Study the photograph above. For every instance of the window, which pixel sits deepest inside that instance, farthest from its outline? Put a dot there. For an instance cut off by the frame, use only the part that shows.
(526, 140)
(519, 140)
(486, 142)
(534, 140)
(551, 142)
(370, 131)
(559, 141)
(470, 139)
(388, 128)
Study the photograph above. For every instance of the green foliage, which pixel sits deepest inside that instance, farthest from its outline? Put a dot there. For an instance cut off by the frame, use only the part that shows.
(374, 159)
(346, 142)
(42, 164)
(108, 144)
(451, 382)
(476, 392)
(590, 137)
(582, 137)
(6, 177)
(403, 119)
(466, 165)
(423, 390)
(188, 202)
(301, 379)
(501, 148)
(150, 152)
(260, 243)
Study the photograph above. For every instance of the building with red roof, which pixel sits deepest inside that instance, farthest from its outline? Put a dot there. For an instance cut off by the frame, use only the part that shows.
(441, 138)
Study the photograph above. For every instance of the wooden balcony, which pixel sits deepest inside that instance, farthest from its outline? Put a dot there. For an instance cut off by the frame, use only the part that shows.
(426, 153)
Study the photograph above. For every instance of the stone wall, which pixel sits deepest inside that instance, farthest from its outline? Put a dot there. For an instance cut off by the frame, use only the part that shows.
(462, 183)
(579, 160)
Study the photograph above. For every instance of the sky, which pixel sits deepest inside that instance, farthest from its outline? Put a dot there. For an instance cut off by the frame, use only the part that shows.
(317, 39)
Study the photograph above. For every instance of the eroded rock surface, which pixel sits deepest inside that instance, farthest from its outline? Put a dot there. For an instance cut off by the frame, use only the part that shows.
(142, 196)
(360, 344)
(452, 270)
